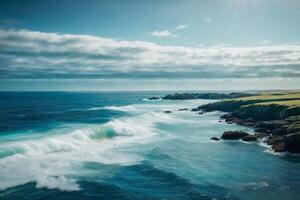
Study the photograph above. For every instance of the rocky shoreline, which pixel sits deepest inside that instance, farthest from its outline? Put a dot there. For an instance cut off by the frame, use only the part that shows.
(189, 96)
(275, 117)
(278, 125)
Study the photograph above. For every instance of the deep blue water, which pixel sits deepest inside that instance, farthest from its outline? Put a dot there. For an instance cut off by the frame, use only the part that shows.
(72, 145)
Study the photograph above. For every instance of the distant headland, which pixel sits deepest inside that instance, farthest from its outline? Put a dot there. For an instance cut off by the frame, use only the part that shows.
(275, 116)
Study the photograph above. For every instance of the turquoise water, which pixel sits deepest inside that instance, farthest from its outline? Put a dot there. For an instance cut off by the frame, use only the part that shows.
(121, 146)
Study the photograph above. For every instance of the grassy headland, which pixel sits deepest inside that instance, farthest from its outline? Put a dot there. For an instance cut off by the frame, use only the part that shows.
(186, 96)
(273, 115)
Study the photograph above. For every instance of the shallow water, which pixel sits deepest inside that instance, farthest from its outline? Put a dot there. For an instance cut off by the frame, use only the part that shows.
(121, 146)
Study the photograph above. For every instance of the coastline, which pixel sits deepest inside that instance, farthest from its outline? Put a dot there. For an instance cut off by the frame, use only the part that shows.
(275, 117)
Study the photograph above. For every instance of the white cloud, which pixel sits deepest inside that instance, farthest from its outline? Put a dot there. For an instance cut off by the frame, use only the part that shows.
(30, 54)
(163, 34)
(181, 26)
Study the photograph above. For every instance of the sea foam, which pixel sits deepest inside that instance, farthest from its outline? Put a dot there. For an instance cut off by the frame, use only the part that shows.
(54, 160)
(127, 108)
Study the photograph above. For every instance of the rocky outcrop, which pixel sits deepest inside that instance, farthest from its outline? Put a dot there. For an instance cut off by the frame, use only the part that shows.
(183, 109)
(186, 96)
(279, 147)
(292, 142)
(215, 139)
(248, 109)
(278, 124)
(233, 135)
(154, 98)
(249, 138)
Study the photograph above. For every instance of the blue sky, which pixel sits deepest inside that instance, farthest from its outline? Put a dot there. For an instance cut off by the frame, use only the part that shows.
(113, 45)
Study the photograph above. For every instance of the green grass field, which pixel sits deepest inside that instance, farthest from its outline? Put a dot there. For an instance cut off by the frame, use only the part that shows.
(290, 103)
(285, 99)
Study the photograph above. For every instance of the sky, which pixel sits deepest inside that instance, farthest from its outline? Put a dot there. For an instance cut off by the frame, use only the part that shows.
(130, 45)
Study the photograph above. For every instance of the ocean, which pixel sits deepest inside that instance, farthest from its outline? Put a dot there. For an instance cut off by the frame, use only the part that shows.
(89, 145)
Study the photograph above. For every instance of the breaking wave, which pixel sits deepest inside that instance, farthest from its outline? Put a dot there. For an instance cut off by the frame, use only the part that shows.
(128, 108)
(52, 161)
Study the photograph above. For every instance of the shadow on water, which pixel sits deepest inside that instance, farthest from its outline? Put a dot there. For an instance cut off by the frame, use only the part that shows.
(291, 158)
(135, 182)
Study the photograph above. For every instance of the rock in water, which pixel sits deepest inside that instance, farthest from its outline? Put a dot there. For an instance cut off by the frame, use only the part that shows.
(292, 142)
(277, 143)
(167, 111)
(279, 147)
(233, 135)
(260, 135)
(215, 138)
(154, 98)
(272, 140)
(249, 138)
(183, 109)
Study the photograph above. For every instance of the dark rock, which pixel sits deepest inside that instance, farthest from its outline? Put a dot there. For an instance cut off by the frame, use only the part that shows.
(261, 130)
(272, 140)
(249, 138)
(183, 109)
(232, 119)
(233, 135)
(245, 123)
(279, 131)
(250, 120)
(201, 113)
(215, 138)
(225, 116)
(292, 142)
(277, 143)
(260, 135)
(266, 124)
(279, 147)
(154, 98)
(167, 111)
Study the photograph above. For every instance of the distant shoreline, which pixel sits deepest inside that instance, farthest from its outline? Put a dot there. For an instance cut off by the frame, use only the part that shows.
(274, 116)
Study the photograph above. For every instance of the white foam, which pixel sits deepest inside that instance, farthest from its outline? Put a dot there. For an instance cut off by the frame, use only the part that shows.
(270, 151)
(257, 185)
(95, 108)
(54, 161)
(128, 108)
(269, 148)
(153, 100)
(60, 182)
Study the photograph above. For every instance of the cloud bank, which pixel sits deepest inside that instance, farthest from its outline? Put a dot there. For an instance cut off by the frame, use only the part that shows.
(40, 55)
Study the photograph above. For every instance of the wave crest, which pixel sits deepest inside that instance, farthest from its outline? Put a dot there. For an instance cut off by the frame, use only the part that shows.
(128, 108)
(52, 161)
